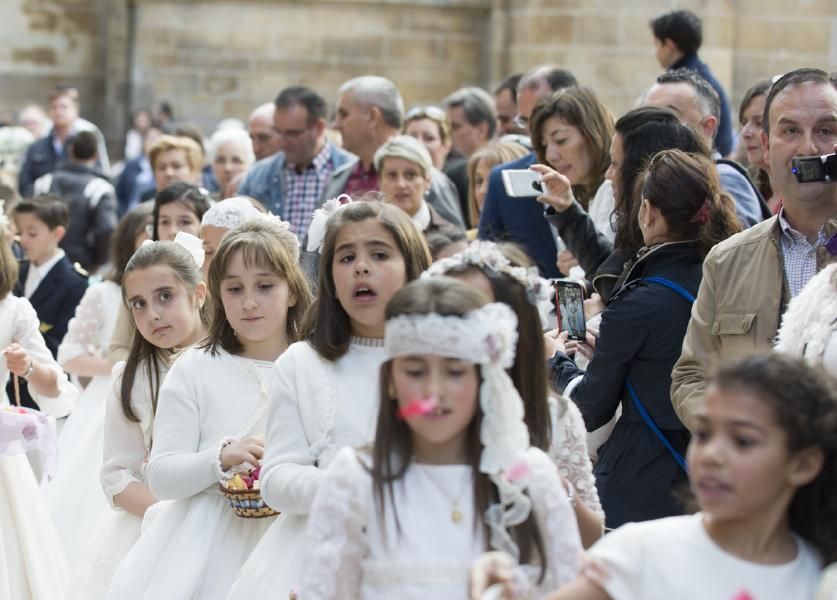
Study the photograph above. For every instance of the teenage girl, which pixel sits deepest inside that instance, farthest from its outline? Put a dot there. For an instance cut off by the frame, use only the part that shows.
(325, 393)
(451, 472)
(83, 352)
(763, 467)
(211, 420)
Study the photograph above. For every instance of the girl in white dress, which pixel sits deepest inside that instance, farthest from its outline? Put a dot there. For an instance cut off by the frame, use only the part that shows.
(325, 394)
(162, 289)
(763, 467)
(451, 472)
(210, 420)
(32, 562)
(505, 274)
(83, 352)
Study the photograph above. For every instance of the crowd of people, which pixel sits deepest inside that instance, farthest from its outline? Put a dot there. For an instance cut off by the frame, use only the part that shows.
(321, 355)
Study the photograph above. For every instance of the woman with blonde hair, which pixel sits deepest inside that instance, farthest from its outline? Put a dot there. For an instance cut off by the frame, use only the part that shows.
(175, 158)
(479, 168)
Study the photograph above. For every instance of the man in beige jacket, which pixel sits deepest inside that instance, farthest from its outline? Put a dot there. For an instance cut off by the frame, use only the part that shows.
(749, 278)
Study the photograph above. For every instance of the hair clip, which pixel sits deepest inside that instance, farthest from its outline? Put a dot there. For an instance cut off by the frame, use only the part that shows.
(317, 229)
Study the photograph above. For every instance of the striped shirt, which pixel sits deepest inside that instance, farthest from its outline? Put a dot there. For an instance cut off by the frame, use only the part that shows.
(304, 189)
(799, 255)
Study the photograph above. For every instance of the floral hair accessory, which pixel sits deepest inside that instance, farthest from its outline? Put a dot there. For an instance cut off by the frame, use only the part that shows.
(317, 229)
(487, 337)
(485, 255)
(230, 213)
(193, 245)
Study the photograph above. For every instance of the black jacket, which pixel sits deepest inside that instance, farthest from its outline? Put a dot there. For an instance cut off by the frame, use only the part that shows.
(40, 159)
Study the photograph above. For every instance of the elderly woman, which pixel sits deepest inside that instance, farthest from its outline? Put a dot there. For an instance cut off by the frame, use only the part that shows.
(231, 155)
(173, 159)
(403, 165)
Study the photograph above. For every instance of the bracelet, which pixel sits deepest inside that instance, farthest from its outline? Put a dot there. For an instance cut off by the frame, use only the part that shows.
(219, 470)
(30, 370)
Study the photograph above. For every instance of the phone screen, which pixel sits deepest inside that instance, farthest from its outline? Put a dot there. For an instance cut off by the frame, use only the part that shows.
(570, 297)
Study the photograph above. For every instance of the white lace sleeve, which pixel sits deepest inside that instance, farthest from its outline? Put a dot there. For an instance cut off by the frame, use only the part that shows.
(124, 450)
(336, 534)
(557, 523)
(569, 451)
(28, 335)
(84, 330)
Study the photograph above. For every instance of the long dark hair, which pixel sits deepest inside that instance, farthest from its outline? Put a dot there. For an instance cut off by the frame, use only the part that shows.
(142, 351)
(266, 244)
(581, 108)
(686, 189)
(326, 326)
(644, 132)
(804, 400)
(392, 452)
(124, 238)
(529, 369)
(190, 196)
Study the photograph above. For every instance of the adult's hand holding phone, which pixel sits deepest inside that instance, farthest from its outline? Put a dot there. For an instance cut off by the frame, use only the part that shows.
(559, 191)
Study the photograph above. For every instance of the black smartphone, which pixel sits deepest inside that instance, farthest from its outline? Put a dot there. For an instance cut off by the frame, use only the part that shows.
(569, 308)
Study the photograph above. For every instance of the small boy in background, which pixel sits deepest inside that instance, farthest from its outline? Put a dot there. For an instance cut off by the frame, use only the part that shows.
(54, 287)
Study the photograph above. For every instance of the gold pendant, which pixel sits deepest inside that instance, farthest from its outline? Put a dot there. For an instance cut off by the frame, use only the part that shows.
(456, 516)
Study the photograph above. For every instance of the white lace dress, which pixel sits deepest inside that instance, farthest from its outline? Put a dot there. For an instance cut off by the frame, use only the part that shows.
(317, 407)
(74, 497)
(195, 545)
(124, 454)
(32, 562)
(568, 451)
(352, 553)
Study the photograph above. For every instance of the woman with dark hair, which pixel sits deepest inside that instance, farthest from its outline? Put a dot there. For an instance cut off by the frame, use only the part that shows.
(681, 214)
(750, 115)
(639, 135)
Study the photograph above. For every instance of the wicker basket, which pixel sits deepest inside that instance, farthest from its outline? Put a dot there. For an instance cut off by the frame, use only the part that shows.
(247, 504)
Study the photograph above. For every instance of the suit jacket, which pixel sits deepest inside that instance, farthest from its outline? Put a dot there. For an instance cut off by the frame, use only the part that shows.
(518, 220)
(55, 299)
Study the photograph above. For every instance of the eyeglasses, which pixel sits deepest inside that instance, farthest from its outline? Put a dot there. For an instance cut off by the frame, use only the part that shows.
(429, 112)
(290, 133)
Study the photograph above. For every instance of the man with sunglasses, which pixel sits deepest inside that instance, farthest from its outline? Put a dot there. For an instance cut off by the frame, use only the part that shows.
(308, 170)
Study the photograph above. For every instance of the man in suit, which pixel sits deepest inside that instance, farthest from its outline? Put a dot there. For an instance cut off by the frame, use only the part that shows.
(521, 220)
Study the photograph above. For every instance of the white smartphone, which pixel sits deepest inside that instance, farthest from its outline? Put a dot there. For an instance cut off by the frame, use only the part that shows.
(522, 183)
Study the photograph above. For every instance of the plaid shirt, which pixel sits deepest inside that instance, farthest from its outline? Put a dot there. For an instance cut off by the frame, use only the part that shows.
(799, 255)
(304, 190)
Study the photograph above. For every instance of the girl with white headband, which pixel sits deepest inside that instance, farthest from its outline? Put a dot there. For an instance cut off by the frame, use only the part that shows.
(451, 473)
(210, 424)
(163, 293)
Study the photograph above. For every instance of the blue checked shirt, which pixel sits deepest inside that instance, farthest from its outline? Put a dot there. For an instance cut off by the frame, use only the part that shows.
(304, 190)
(800, 256)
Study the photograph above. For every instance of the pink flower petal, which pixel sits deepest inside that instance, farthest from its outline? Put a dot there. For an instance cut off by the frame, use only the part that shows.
(417, 407)
(743, 595)
(517, 470)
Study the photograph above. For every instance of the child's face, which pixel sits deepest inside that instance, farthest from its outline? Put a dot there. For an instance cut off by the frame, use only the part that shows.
(256, 302)
(39, 242)
(368, 269)
(164, 310)
(739, 464)
(174, 217)
(439, 435)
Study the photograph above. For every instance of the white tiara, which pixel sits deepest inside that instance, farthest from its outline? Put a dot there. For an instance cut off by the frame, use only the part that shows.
(486, 336)
(486, 255)
(230, 213)
(317, 229)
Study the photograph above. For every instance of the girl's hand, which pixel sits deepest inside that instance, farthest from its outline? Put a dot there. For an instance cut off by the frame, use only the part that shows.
(249, 450)
(558, 192)
(553, 342)
(593, 306)
(17, 359)
(566, 261)
(491, 568)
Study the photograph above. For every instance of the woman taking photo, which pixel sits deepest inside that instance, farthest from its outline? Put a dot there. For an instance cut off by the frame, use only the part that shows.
(681, 214)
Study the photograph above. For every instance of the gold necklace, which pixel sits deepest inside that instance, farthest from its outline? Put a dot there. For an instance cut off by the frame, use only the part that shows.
(456, 514)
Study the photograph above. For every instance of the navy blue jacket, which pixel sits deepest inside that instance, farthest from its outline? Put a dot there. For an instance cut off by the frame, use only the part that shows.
(40, 159)
(55, 299)
(723, 138)
(518, 220)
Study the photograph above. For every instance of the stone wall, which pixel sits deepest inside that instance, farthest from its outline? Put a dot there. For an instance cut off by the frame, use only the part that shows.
(220, 58)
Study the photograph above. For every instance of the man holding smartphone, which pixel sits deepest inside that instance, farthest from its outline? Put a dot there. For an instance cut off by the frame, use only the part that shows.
(749, 279)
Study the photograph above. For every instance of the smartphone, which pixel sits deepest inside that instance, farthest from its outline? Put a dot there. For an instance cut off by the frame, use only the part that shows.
(522, 183)
(569, 308)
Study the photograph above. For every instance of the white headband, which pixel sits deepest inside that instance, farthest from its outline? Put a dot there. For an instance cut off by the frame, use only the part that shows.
(485, 255)
(317, 229)
(486, 336)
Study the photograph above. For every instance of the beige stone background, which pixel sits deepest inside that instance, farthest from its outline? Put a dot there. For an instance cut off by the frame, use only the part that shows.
(220, 58)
